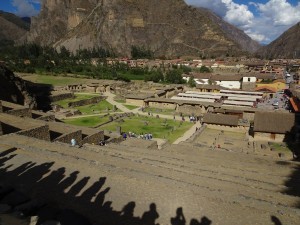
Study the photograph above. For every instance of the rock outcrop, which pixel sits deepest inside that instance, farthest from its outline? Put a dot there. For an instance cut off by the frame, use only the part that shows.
(14, 89)
(167, 27)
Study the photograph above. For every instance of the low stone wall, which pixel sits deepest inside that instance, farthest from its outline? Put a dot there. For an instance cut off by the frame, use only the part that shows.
(162, 105)
(90, 101)
(61, 96)
(66, 138)
(41, 133)
(47, 118)
(238, 129)
(259, 136)
(94, 138)
(26, 112)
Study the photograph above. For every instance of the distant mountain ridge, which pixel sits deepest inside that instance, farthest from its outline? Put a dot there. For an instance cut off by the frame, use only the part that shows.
(168, 27)
(286, 46)
(12, 27)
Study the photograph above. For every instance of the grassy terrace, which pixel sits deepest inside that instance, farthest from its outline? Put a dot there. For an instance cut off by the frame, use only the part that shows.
(54, 80)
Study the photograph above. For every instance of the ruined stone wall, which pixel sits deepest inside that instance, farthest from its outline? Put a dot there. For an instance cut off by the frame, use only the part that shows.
(248, 116)
(90, 101)
(62, 96)
(47, 118)
(41, 133)
(162, 105)
(239, 129)
(1, 108)
(137, 102)
(94, 138)
(192, 110)
(259, 136)
(1, 132)
(26, 112)
(66, 138)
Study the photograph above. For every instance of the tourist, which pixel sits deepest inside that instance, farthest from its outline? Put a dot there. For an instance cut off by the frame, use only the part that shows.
(73, 142)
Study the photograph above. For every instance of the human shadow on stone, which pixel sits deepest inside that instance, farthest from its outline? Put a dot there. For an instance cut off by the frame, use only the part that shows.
(204, 221)
(149, 217)
(179, 219)
(275, 220)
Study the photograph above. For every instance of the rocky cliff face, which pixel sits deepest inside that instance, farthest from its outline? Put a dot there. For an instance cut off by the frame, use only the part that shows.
(286, 46)
(167, 27)
(14, 89)
(56, 18)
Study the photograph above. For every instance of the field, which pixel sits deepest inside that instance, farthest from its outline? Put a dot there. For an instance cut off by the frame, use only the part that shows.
(89, 121)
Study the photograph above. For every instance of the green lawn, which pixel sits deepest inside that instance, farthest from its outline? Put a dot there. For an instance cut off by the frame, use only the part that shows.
(90, 121)
(102, 106)
(131, 107)
(55, 80)
(170, 130)
(160, 111)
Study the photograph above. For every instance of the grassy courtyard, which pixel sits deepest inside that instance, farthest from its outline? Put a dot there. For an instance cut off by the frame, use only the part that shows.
(159, 128)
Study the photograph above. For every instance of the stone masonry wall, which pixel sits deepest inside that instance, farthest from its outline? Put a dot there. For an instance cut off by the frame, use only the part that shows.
(94, 138)
(1, 132)
(190, 110)
(47, 118)
(1, 108)
(41, 133)
(90, 101)
(26, 112)
(61, 96)
(66, 138)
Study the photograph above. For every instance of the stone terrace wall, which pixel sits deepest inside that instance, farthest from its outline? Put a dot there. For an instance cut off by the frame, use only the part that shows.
(47, 118)
(94, 138)
(1, 108)
(61, 96)
(1, 132)
(66, 138)
(41, 133)
(26, 112)
(90, 101)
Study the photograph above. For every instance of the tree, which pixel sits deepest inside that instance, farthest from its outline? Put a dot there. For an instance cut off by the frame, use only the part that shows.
(174, 77)
(192, 82)
(204, 69)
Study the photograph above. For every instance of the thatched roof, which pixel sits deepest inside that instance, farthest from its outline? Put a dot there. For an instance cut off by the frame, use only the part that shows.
(221, 119)
(274, 122)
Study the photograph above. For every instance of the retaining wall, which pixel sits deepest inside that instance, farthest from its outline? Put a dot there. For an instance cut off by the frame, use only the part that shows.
(83, 102)
(66, 138)
(94, 138)
(26, 112)
(41, 133)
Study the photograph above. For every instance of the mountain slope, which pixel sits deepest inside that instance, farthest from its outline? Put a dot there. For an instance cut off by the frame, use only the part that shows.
(167, 27)
(286, 46)
(12, 27)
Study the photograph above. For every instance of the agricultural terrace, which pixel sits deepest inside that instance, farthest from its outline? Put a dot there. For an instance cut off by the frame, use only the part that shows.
(101, 107)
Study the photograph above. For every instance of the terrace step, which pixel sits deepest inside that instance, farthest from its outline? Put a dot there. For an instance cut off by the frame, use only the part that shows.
(259, 182)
